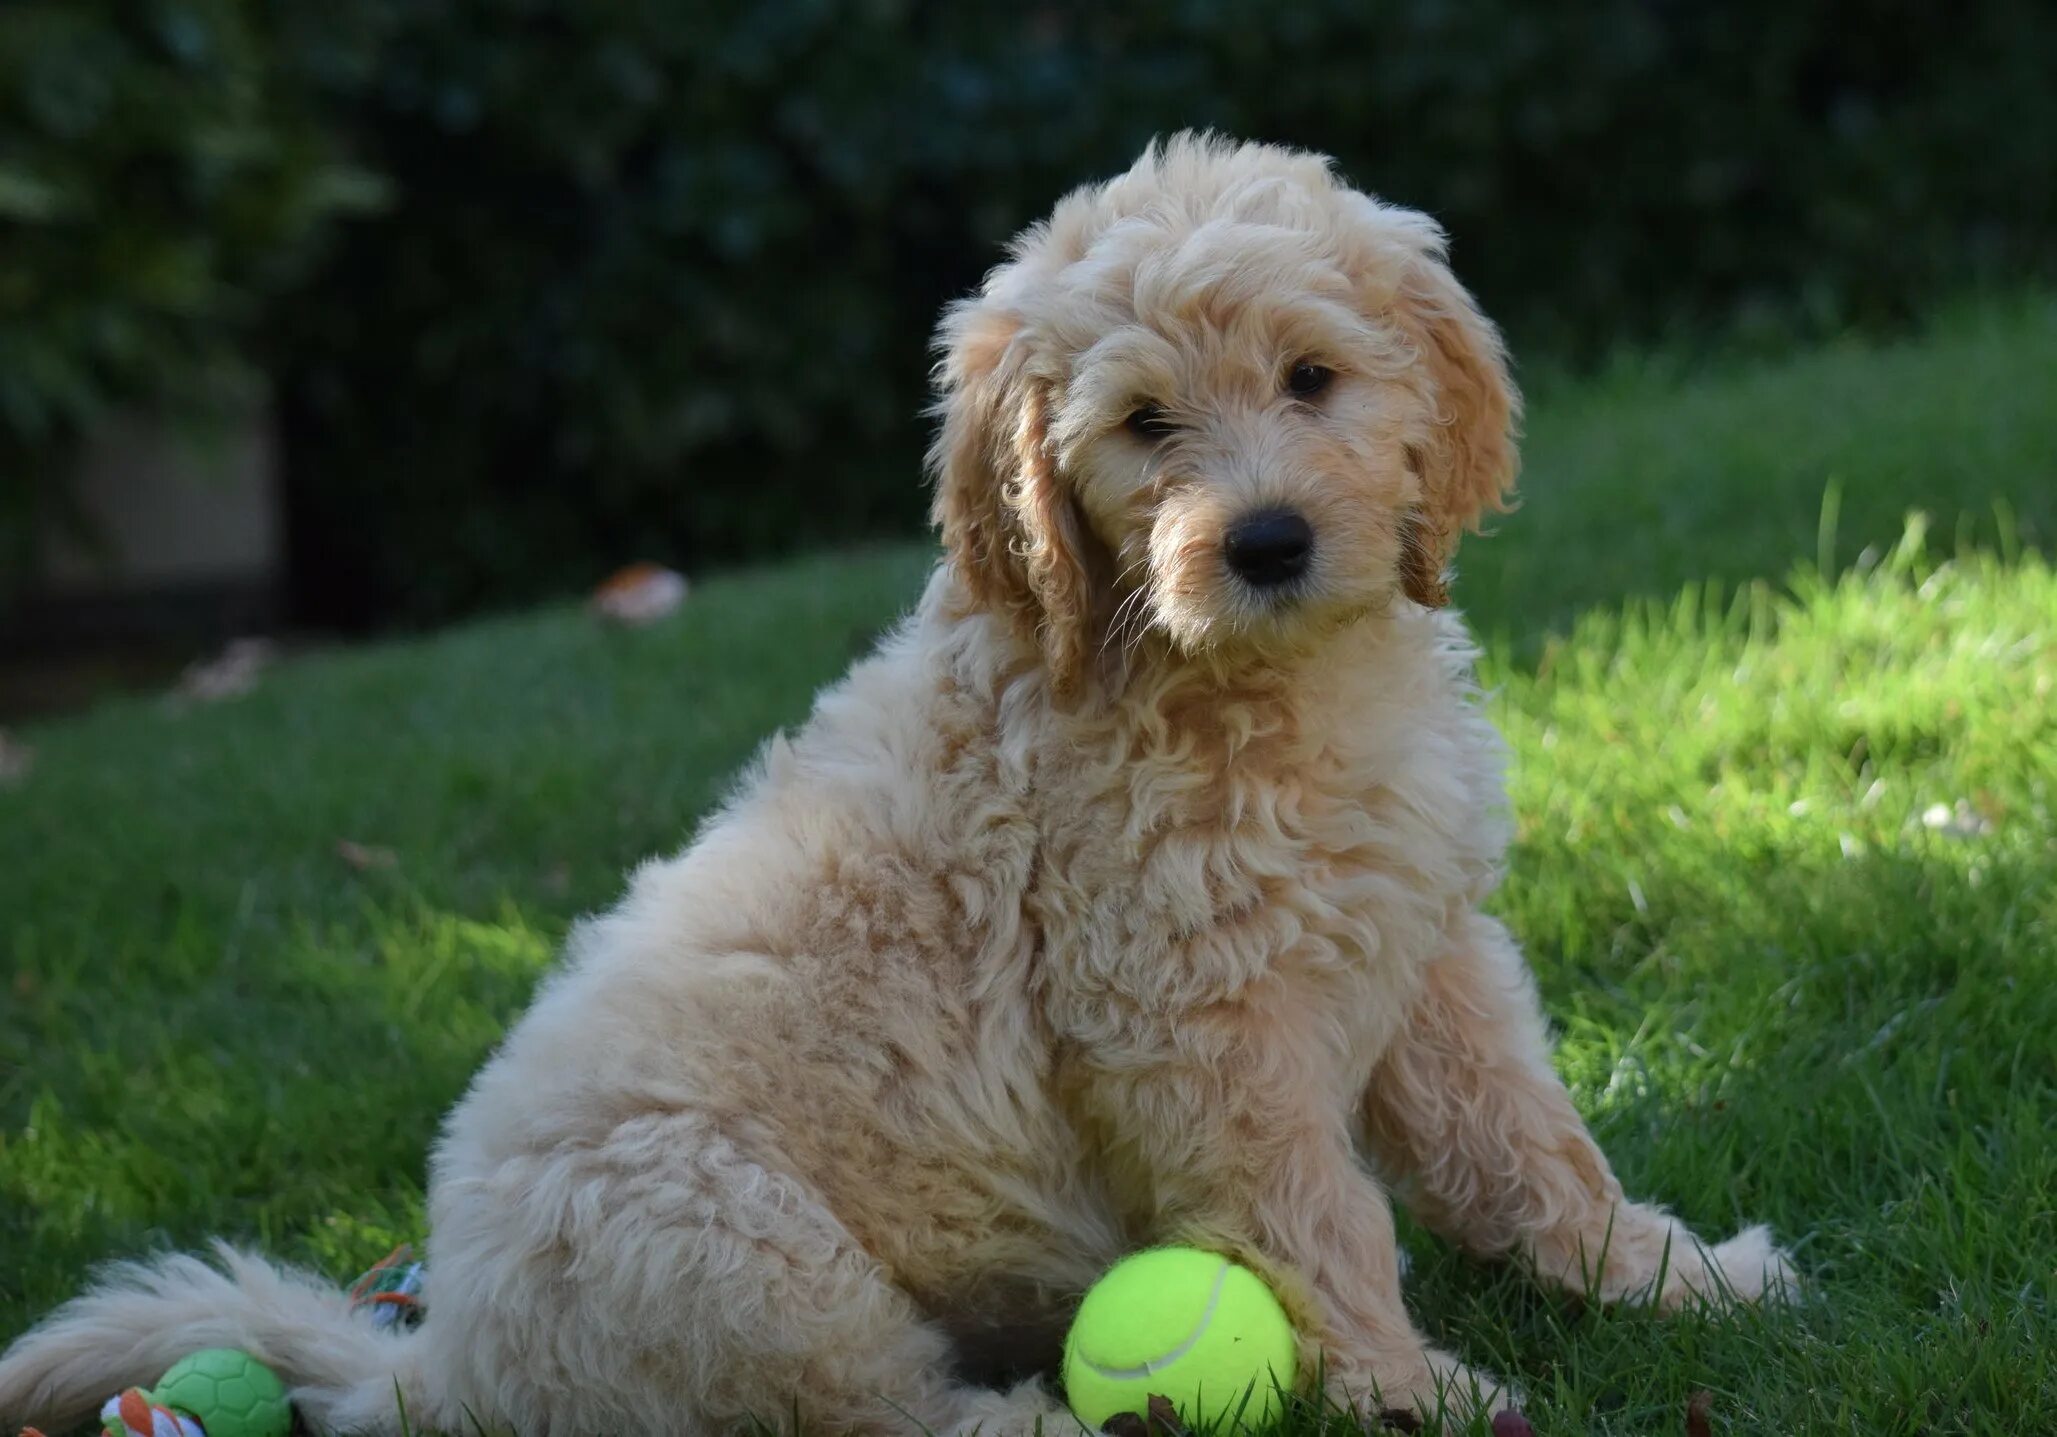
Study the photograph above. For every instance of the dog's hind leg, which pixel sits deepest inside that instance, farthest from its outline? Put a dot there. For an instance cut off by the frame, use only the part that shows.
(1467, 1113)
(662, 1280)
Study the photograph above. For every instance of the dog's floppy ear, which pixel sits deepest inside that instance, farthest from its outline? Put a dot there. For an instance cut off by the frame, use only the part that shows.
(1008, 522)
(1467, 460)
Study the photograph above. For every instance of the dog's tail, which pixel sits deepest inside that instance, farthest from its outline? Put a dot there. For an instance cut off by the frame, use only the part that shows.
(139, 1318)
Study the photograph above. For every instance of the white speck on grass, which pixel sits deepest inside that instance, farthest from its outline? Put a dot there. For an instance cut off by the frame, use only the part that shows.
(1958, 820)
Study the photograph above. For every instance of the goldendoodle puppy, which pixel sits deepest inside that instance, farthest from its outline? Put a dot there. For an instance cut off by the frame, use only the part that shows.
(1129, 894)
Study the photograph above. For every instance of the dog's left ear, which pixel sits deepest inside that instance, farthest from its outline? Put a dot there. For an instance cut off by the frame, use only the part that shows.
(1467, 460)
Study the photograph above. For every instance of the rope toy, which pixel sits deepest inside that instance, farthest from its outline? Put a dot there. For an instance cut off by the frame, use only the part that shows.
(391, 1289)
(134, 1413)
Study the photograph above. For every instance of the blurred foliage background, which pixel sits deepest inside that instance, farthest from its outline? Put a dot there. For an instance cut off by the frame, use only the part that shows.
(536, 286)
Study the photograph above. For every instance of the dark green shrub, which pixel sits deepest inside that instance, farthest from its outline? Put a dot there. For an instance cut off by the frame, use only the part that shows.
(661, 275)
(657, 277)
(157, 189)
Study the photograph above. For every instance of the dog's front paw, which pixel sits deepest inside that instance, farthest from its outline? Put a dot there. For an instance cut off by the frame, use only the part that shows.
(1026, 1410)
(1432, 1394)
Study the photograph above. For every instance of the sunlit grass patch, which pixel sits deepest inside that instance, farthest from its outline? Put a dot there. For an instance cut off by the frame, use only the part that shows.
(1785, 868)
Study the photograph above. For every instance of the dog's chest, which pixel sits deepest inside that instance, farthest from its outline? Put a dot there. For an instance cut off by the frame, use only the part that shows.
(1181, 877)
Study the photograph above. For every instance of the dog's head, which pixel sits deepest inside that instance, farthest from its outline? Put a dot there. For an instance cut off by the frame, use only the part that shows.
(1224, 398)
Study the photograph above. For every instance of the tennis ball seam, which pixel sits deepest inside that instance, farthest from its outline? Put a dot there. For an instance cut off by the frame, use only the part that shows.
(1150, 1367)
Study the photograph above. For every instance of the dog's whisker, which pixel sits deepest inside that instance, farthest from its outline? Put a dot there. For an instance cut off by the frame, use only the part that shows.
(1131, 611)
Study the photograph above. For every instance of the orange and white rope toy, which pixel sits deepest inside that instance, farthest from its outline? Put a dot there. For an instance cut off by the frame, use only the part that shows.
(135, 1411)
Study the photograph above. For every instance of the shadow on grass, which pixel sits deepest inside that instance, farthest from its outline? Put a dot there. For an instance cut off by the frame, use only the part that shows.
(1850, 1048)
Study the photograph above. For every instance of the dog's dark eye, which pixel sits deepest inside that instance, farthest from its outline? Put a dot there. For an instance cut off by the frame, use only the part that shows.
(1306, 380)
(1149, 422)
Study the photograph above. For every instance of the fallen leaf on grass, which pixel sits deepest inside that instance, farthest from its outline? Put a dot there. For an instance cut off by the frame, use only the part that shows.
(229, 674)
(1162, 1421)
(364, 857)
(16, 759)
(1700, 1414)
(640, 594)
(1164, 1417)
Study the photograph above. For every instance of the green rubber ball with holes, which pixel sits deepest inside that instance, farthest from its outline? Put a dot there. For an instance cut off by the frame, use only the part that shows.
(1183, 1324)
(228, 1392)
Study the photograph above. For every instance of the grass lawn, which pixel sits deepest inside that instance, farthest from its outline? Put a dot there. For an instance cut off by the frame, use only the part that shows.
(1784, 865)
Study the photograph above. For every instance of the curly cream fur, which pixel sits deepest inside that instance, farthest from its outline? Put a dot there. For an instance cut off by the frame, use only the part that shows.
(1109, 903)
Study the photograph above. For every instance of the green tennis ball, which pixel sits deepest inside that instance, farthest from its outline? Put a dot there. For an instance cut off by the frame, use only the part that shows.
(1179, 1323)
(230, 1393)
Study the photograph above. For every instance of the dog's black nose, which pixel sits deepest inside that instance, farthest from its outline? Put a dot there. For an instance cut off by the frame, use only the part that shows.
(1270, 548)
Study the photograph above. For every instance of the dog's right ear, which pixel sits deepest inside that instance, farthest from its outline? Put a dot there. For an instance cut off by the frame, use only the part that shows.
(1008, 524)
(967, 458)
